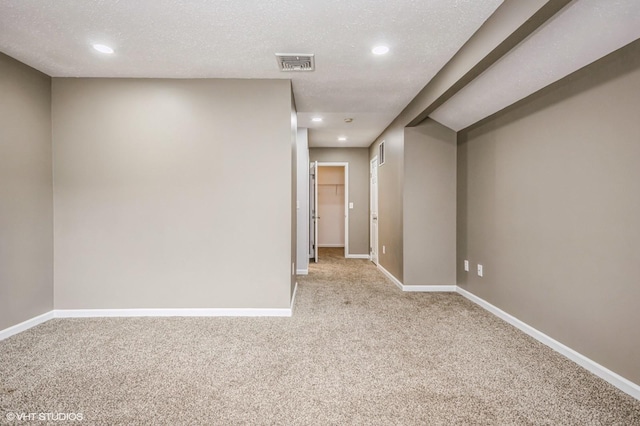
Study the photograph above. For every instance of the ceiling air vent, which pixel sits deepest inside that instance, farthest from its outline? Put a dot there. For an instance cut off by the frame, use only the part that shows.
(296, 61)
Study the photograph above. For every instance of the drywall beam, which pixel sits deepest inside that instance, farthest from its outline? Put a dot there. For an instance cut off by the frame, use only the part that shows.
(510, 24)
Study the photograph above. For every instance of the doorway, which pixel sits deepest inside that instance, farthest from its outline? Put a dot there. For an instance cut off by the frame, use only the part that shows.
(328, 209)
(373, 209)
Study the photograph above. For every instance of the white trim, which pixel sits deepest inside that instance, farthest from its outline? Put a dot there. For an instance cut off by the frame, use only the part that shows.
(331, 245)
(358, 256)
(428, 288)
(346, 209)
(25, 325)
(293, 298)
(372, 234)
(344, 164)
(604, 373)
(302, 271)
(390, 276)
(417, 288)
(173, 312)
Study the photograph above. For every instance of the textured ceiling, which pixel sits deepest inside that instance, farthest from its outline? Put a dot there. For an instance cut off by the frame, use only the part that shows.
(238, 39)
(581, 33)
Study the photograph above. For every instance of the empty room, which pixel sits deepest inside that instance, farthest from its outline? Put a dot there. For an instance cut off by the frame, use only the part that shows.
(320, 212)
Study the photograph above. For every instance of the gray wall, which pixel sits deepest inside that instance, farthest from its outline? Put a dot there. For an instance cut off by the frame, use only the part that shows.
(549, 203)
(429, 205)
(26, 193)
(302, 261)
(358, 159)
(511, 23)
(390, 199)
(172, 193)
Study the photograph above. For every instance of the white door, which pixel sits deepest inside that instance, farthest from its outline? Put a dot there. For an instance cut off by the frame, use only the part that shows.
(313, 211)
(373, 208)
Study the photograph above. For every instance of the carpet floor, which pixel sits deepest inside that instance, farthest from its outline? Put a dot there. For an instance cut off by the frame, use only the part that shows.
(356, 351)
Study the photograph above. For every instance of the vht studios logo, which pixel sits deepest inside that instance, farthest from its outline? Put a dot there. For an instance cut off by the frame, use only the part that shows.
(44, 417)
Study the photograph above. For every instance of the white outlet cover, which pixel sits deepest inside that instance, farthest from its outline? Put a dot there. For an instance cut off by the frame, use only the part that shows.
(350, 205)
(480, 270)
(384, 250)
(466, 265)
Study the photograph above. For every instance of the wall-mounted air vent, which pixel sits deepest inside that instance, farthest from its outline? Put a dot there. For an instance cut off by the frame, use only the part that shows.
(296, 61)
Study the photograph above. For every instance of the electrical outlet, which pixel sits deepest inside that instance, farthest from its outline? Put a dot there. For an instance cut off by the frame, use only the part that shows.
(350, 205)
(466, 265)
(480, 270)
(384, 250)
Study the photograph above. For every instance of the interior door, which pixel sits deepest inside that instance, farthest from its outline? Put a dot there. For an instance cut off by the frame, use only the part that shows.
(313, 211)
(373, 209)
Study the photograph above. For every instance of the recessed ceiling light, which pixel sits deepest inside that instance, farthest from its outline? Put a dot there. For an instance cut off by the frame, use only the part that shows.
(103, 48)
(342, 138)
(317, 119)
(380, 50)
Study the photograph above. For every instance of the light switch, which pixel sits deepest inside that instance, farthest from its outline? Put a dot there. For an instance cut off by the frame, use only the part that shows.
(298, 205)
(350, 205)
(466, 265)
(480, 270)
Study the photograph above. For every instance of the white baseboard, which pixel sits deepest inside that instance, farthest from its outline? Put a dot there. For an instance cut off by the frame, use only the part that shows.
(195, 312)
(25, 325)
(293, 298)
(331, 245)
(604, 373)
(302, 271)
(417, 288)
(358, 256)
(390, 276)
(174, 312)
(428, 288)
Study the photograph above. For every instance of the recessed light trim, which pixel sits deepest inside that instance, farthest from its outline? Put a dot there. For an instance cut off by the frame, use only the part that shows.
(103, 48)
(317, 119)
(380, 50)
(342, 138)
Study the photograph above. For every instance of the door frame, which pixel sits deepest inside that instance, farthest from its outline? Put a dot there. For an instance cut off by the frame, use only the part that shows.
(313, 210)
(344, 164)
(376, 261)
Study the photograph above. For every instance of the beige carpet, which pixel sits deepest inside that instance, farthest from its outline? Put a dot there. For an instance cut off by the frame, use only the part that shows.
(357, 351)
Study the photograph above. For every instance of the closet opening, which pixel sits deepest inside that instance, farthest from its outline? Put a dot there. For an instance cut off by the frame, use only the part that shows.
(329, 209)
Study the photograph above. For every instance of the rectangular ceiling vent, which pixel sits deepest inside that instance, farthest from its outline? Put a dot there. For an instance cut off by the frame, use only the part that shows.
(296, 61)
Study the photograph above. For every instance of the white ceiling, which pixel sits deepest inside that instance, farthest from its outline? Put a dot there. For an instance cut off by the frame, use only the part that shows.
(581, 33)
(238, 39)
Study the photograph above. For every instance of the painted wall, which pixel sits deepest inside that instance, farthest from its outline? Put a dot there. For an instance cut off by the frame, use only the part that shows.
(172, 193)
(506, 27)
(549, 203)
(302, 262)
(429, 212)
(390, 199)
(358, 191)
(331, 210)
(26, 193)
